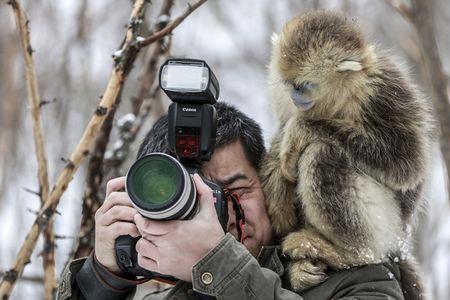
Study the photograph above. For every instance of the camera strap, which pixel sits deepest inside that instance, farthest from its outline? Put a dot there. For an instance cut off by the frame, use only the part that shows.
(239, 212)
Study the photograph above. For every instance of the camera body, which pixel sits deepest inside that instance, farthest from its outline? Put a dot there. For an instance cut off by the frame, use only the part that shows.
(161, 186)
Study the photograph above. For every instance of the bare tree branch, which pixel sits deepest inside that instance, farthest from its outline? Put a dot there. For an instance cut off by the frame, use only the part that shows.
(113, 88)
(34, 100)
(172, 25)
(92, 199)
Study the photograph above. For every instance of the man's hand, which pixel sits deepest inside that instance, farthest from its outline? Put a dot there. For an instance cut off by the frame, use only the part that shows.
(113, 219)
(174, 247)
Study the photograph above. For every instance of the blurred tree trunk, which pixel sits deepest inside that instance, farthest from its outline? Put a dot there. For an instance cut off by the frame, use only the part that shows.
(423, 19)
(421, 14)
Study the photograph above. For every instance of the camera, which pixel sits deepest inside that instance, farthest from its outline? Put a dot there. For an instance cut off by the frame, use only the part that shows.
(160, 185)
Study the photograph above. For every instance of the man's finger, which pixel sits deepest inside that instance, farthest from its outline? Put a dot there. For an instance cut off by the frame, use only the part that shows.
(152, 227)
(115, 198)
(147, 249)
(117, 213)
(122, 228)
(147, 263)
(115, 184)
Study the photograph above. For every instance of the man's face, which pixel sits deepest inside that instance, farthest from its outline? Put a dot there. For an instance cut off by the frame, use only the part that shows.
(230, 169)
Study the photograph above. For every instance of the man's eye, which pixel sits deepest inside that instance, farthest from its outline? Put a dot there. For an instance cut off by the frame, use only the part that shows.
(239, 191)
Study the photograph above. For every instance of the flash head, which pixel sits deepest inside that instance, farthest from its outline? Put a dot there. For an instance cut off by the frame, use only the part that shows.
(189, 80)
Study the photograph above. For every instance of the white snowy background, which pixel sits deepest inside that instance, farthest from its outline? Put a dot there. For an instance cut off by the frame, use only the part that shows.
(73, 66)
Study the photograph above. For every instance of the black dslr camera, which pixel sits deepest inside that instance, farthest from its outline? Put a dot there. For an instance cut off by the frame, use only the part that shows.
(160, 186)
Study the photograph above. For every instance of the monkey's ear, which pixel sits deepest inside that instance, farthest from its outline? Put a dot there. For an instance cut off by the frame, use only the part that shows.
(349, 65)
(275, 38)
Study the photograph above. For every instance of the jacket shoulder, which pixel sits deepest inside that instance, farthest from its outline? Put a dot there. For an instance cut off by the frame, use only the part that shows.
(377, 281)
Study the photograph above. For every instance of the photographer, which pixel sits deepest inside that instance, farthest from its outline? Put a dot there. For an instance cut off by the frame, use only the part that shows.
(209, 262)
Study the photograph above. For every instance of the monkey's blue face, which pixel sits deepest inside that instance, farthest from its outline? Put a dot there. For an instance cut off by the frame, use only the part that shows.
(300, 95)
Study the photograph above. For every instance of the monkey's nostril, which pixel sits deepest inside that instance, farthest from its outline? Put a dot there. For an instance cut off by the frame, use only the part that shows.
(298, 88)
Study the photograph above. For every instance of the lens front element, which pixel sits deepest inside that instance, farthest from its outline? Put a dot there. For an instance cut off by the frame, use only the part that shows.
(161, 188)
(156, 181)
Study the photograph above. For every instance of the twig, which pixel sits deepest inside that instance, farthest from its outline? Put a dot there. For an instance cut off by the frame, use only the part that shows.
(172, 25)
(35, 103)
(32, 192)
(113, 88)
(401, 8)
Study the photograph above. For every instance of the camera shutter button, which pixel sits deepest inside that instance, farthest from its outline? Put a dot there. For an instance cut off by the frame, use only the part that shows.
(207, 278)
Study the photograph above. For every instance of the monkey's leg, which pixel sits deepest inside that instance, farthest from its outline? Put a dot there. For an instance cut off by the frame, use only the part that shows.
(308, 243)
(357, 221)
(279, 193)
(312, 254)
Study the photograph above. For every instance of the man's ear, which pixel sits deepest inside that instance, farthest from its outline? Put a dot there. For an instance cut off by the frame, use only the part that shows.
(349, 65)
(275, 38)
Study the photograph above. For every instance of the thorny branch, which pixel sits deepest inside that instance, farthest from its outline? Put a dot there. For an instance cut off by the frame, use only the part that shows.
(81, 151)
(35, 104)
(123, 65)
(92, 198)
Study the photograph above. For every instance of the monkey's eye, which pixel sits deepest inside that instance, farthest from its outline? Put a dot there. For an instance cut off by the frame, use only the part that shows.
(304, 87)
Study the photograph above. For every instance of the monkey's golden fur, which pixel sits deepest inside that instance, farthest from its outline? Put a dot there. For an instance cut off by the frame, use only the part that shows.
(343, 178)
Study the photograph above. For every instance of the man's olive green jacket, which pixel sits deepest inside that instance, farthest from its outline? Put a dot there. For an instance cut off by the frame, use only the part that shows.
(229, 272)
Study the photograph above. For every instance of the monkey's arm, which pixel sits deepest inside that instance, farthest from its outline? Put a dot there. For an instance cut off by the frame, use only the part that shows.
(295, 138)
(279, 192)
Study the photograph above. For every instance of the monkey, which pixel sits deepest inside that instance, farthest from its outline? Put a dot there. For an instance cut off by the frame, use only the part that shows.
(343, 177)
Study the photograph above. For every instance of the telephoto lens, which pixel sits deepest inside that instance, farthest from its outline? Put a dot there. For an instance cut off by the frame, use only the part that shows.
(161, 188)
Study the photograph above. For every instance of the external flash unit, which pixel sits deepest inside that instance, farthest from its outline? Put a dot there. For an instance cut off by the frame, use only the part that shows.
(189, 80)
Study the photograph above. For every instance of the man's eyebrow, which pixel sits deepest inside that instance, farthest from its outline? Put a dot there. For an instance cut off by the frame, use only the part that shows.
(231, 180)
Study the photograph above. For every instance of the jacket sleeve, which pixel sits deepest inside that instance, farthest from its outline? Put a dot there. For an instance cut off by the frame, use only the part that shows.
(86, 279)
(230, 272)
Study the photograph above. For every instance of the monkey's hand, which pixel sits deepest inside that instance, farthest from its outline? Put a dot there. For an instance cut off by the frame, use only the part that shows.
(304, 270)
(306, 273)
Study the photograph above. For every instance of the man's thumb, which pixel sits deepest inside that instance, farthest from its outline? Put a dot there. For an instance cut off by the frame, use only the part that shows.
(205, 195)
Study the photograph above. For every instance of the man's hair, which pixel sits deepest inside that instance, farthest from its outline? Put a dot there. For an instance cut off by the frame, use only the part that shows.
(232, 125)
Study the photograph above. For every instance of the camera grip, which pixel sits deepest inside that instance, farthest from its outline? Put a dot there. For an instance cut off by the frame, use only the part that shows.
(221, 204)
(126, 257)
